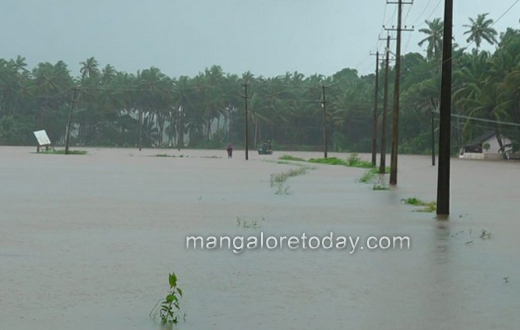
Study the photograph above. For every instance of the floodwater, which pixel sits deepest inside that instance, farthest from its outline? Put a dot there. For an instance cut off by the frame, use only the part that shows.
(87, 242)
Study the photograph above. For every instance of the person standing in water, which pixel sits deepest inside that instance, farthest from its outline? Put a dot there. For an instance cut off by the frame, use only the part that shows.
(229, 150)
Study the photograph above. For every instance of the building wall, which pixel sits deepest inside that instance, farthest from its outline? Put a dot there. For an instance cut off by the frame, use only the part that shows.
(492, 152)
(472, 155)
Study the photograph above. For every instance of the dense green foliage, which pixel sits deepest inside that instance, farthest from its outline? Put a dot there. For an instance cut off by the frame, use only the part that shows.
(209, 108)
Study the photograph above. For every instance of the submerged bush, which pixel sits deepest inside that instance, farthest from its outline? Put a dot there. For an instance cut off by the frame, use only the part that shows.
(170, 309)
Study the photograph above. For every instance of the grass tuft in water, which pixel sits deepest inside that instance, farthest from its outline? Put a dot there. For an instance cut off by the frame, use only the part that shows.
(250, 224)
(426, 207)
(329, 161)
(352, 161)
(62, 152)
(278, 179)
(289, 157)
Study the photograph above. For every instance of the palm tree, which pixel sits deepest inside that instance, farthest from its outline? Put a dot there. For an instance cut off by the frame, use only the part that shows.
(108, 73)
(90, 68)
(434, 34)
(481, 29)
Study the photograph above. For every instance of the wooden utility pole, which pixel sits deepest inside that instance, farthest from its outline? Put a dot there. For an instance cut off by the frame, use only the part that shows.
(69, 121)
(382, 163)
(246, 97)
(324, 106)
(395, 118)
(432, 132)
(443, 177)
(180, 135)
(376, 101)
(140, 130)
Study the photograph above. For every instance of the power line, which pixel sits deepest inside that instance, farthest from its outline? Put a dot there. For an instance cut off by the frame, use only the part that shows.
(486, 120)
(392, 17)
(507, 11)
(433, 11)
(407, 13)
(422, 13)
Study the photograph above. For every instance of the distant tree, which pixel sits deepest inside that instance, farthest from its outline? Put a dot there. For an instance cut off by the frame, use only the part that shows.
(434, 33)
(89, 68)
(481, 29)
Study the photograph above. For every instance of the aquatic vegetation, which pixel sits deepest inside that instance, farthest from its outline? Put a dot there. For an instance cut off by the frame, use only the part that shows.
(427, 207)
(369, 175)
(62, 152)
(381, 184)
(278, 179)
(170, 310)
(283, 190)
(289, 157)
(380, 187)
(172, 156)
(250, 224)
(352, 161)
(413, 201)
(485, 234)
(355, 161)
(329, 161)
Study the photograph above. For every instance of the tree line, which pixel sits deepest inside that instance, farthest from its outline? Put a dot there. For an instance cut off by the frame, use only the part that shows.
(116, 108)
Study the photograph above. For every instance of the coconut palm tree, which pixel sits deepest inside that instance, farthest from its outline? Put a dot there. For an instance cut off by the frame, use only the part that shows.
(481, 29)
(434, 33)
(89, 68)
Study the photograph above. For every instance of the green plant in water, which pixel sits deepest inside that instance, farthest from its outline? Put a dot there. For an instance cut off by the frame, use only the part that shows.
(169, 310)
(369, 175)
(289, 157)
(485, 234)
(329, 161)
(427, 207)
(282, 190)
(248, 224)
(379, 187)
(62, 152)
(278, 179)
(354, 161)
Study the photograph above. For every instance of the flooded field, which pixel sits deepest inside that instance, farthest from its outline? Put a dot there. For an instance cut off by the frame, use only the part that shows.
(87, 242)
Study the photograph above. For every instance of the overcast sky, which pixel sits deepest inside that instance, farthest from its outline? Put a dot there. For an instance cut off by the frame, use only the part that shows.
(182, 37)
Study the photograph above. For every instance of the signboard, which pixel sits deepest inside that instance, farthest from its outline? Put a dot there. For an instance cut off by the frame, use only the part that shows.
(43, 139)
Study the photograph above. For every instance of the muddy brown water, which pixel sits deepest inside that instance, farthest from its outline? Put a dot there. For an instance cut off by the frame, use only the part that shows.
(87, 242)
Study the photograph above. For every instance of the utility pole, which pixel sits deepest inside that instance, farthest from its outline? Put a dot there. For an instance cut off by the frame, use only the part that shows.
(432, 131)
(443, 177)
(69, 121)
(246, 97)
(180, 137)
(324, 106)
(139, 137)
(382, 163)
(395, 119)
(376, 100)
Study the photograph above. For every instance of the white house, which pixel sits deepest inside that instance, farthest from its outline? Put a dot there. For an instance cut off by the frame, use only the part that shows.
(485, 146)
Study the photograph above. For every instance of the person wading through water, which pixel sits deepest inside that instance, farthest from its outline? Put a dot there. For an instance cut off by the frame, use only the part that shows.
(229, 150)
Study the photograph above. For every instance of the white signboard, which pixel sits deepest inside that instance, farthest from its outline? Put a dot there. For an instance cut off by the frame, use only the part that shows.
(43, 139)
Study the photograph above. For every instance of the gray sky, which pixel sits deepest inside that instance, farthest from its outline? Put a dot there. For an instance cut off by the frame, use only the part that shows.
(182, 37)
